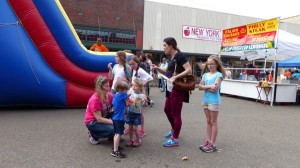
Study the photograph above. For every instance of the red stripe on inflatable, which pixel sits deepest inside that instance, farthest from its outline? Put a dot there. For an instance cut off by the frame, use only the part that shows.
(47, 45)
(77, 95)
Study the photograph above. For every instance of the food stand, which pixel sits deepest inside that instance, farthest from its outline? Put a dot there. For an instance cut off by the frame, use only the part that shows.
(255, 41)
(285, 93)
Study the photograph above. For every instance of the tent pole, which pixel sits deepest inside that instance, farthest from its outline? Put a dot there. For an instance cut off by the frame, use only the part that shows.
(265, 65)
(274, 80)
(275, 68)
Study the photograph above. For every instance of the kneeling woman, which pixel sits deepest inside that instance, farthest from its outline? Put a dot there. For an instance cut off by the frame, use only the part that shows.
(98, 112)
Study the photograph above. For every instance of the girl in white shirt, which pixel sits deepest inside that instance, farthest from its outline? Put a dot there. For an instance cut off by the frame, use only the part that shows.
(120, 71)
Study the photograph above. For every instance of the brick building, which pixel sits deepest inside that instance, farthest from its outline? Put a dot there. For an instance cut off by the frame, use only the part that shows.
(118, 22)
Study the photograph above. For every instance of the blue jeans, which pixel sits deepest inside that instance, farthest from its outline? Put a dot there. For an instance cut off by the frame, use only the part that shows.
(99, 130)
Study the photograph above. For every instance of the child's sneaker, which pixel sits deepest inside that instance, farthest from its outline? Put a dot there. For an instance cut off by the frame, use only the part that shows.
(137, 143)
(169, 134)
(126, 132)
(206, 142)
(209, 148)
(151, 103)
(129, 143)
(118, 154)
(171, 142)
(142, 133)
(93, 141)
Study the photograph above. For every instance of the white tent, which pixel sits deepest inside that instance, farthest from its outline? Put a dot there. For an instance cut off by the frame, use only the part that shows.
(288, 46)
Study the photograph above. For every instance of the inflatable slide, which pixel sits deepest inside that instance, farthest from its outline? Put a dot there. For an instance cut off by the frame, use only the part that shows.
(42, 60)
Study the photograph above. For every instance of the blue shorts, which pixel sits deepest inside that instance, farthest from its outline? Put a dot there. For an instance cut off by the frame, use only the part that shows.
(119, 127)
(134, 118)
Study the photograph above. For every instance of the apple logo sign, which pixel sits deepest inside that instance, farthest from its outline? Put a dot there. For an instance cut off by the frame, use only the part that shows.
(186, 31)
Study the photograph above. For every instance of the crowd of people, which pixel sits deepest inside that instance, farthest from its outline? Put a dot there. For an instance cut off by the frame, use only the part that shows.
(110, 108)
(292, 74)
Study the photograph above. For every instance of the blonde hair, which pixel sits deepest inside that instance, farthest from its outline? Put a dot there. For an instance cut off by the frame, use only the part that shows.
(121, 86)
(99, 87)
(140, 84)
(219, 63)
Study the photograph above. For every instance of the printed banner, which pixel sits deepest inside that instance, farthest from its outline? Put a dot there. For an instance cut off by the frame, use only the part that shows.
(200, 33)
(255, 36)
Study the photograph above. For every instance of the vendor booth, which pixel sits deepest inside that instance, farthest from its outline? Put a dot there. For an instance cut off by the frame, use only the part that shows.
(261, 40)
(291, 63)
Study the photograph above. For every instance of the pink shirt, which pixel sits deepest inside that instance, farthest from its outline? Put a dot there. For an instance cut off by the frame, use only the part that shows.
(94, 105)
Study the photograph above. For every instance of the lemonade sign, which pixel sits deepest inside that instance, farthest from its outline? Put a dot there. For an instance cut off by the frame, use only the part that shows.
(255, 36)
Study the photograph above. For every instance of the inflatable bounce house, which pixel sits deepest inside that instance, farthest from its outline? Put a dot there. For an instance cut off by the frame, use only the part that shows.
(42, 60)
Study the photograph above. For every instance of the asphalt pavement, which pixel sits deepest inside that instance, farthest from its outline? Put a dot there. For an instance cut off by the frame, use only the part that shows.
(251, 135)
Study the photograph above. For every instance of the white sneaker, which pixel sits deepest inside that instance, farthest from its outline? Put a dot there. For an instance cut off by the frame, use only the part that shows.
(93, 141)
(151, 103)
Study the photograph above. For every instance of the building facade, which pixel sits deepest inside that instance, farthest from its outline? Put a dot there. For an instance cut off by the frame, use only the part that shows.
(141, 25)
(119, 22)
(165, 20)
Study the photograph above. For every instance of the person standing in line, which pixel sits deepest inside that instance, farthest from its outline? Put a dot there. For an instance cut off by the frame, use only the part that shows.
(149, 60)
(159, 78)
(119, 104)
(98, 112)
(210, 83)
(144, 64)
(163, 66)
(175, 98)
(99, 46)
(120, 71)
(288, 74)
(296, 74)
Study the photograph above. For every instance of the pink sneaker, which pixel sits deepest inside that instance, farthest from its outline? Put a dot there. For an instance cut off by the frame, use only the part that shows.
(126, 132)
(205, 143)
(142, 133)
(137, 143)
(129, 143)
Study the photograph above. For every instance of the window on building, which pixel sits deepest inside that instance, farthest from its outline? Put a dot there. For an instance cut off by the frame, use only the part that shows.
(107, 35)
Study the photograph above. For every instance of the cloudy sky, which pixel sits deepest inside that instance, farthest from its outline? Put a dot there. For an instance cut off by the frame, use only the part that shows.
(264, 9)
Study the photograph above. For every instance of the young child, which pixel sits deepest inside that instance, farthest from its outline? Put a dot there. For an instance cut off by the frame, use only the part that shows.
(139, 73)
(119, 104)
(135, 110)
(210, 83)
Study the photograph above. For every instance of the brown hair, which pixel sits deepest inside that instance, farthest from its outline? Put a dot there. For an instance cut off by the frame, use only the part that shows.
(219, 63)
(122, 56)
(171, 42)
(121, 86)
(99, 83)
(137, 60)
(148, 55)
